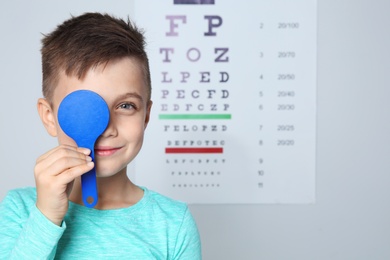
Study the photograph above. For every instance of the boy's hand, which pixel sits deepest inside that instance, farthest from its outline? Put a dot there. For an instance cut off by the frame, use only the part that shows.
(55, 172)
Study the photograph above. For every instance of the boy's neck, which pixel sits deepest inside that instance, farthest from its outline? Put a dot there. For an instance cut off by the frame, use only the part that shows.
(113, 192)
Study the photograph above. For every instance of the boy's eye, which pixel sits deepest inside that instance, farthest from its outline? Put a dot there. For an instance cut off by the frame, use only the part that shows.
(126, 106)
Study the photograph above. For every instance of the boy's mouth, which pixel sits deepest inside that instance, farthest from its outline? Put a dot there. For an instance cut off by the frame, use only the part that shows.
(106, 151)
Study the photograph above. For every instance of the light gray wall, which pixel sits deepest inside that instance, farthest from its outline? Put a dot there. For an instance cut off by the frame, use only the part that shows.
(350, 219)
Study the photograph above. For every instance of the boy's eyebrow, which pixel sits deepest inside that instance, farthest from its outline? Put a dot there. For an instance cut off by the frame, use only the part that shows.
(132, 95)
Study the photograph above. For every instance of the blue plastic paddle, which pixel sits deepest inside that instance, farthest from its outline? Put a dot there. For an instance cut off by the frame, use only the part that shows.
(84, 115)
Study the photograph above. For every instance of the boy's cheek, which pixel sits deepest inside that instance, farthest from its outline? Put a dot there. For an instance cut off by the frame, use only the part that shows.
(64, 139)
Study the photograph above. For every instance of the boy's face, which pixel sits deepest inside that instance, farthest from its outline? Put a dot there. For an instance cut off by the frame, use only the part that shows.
(121, 84)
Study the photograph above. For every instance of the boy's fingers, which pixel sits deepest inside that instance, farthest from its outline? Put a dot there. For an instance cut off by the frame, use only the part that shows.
(57, 154)
(85, 151)
(55, 150)
(65, 163)
(64, 174)
(42, 172)
(72, 173)
(52, 151)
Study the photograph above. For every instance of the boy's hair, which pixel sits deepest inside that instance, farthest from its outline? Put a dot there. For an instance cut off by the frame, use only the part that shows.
(87, 41)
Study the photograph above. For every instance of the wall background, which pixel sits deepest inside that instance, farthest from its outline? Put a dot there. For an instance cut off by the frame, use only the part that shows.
(350, 219)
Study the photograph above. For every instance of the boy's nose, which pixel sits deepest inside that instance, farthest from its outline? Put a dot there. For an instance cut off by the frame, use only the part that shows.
(111, 129)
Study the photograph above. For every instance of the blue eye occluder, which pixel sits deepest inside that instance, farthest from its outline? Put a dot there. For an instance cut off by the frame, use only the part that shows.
(84, 115)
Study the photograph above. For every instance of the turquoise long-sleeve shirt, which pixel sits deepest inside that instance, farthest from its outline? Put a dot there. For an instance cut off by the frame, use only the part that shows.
(155, 228)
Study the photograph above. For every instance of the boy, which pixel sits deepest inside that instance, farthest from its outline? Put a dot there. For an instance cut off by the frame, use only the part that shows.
(105, 55)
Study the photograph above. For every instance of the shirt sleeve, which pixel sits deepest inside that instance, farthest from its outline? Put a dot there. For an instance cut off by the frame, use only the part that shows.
(25, 233)
(188, 244)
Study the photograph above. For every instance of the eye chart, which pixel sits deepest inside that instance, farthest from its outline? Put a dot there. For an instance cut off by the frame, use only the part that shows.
(234, 92)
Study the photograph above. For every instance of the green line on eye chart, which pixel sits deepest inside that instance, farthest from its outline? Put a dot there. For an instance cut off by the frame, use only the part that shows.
(194, 116)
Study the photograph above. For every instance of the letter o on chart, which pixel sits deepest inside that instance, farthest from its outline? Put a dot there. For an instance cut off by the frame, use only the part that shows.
(193, 54)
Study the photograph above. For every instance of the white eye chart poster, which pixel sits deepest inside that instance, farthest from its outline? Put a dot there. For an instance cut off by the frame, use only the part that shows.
(234, 92)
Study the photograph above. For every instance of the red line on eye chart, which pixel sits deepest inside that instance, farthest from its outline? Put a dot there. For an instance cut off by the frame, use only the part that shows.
(193, 150)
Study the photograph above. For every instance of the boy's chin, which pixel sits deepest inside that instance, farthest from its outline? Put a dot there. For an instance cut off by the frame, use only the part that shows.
(107, 173)
(104, 175)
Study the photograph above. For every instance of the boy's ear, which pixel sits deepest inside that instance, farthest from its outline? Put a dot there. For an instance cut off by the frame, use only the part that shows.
(47, 116)
(147, 117)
